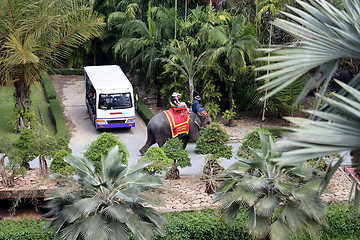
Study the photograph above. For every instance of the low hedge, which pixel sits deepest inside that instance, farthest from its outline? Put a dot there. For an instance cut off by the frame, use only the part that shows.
(343, 223)
(27, 229)
(203, 225)
(49, 89)
(67, 71)
(144, 112)
(58, 118)
(56, 113)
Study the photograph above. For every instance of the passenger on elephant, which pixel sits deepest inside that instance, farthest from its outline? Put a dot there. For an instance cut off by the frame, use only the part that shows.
(196, 105)
(176, 104)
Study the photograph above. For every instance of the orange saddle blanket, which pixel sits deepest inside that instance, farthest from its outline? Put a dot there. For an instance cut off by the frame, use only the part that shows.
(179, 121)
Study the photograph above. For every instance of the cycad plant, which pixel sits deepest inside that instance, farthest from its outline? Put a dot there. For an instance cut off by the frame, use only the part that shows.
(106, 205)
(326, 36)
(281, 199)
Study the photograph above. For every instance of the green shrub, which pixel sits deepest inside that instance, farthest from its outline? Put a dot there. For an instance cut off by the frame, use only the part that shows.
(23, 143)
(203, 225)
(160, 162)
(49, 90)
(58, 165)
(58, 118)
(276, 132)
(27, 229)
(68, 71)
(173, 148)
(343, 223)
(213, 140)
(102, 145)
(252, 140)
(144, 112)
(62, 143)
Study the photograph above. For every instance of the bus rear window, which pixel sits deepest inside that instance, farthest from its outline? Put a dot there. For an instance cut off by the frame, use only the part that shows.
(115, 101)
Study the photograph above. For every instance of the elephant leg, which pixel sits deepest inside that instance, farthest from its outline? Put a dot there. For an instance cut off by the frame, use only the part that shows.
(161, 142)
(150, 141)
(185, 141)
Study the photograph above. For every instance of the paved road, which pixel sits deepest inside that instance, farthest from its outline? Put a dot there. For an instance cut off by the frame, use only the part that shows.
(71, 91)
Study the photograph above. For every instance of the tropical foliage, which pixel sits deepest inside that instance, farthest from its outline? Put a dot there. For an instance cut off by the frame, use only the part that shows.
(108, 204)
(173, 149)
(281, 199)
(102, 145)
(212, 140)
(326, 37)
(37, 34)
(159, 161)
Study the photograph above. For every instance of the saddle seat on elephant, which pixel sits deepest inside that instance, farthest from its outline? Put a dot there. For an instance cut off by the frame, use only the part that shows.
(178, 118)
(180, 110)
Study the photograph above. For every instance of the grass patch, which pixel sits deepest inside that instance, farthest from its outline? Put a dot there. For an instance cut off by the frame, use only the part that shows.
(39, 102)
(7, 108)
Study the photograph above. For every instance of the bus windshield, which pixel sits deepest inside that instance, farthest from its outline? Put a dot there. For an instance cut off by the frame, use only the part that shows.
(115, 101)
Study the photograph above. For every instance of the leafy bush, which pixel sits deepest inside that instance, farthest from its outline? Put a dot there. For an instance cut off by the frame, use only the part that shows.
(49, 90)
(102, 145)
(62, 143)
(252, 140)
(343, 223)
(144, 112)
(160, 162)
(204, 225)
(58, 117)
(27, 229)
(213, 140)
(173, 148)
(23, 143)
(58, 165)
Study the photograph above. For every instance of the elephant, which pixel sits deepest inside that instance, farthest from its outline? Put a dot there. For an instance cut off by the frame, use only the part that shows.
(159, 131)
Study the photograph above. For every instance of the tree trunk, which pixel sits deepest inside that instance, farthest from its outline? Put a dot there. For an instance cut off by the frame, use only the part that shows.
(173, 173)
(43, 165)
(5, 179)
(355, 161)
(191, 85)
(231, 83)
(231, 121)
(186, 5)
(23, 104)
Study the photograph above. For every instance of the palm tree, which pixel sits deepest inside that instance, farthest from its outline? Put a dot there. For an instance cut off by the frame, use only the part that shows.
(187, 63)
(326, 36)
(106, 205)
(233, 45)
(35, 35)
(268, 189)
(142, 43)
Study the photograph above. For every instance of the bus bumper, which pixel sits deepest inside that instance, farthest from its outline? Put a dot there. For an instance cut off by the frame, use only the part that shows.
(115, 125)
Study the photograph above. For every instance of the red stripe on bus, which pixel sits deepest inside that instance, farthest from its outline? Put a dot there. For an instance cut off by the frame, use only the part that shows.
(115, 113)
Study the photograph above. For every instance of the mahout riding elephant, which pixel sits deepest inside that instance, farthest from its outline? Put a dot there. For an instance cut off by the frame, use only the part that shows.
(159, 130)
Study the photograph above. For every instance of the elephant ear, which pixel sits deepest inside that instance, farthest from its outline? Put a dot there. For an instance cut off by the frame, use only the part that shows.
(196, 120)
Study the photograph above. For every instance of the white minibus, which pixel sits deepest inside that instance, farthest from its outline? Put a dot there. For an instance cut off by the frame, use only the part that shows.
(109, 97)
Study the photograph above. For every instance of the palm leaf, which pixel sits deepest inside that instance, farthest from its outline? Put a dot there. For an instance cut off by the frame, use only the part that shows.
(266, 206)
(326, 35)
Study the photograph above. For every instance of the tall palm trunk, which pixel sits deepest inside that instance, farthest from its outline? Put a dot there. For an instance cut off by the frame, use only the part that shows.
(191, 90)
(355, 161)
(231, 83)
(22, 104)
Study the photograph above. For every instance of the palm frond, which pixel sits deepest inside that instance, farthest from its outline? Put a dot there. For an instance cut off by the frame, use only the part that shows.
(326, 35)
